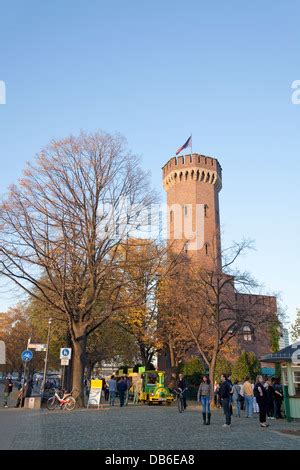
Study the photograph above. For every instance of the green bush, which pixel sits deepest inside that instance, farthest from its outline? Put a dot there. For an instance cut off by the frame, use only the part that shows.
(246, 364)
(223, 366)
(193, 370)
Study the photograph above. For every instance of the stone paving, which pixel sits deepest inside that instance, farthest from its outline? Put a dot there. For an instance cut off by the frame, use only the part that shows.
(138, 427)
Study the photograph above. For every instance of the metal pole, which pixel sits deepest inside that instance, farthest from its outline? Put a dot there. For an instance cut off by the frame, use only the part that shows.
(63, 377)
(46, 358)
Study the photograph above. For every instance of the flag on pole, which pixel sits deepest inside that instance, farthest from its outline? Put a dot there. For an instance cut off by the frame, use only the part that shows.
(188, 143)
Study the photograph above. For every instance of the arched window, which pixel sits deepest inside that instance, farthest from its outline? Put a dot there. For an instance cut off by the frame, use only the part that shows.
(247, 333)
(206, 248)
(205, 210)
(171, 216)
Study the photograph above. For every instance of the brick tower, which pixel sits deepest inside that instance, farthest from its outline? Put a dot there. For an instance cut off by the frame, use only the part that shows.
(192, 183)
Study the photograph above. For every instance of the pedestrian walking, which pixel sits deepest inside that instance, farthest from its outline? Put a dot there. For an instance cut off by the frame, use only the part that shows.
(106, 390)
(260, 394)
(231, 393)
(21, 397)
(128, 383)
(237, 398)
(216, 394)
(270, 398)
(112, 386)
(137, 388)
(122, 387)
(248, 396)
(8, 386)
(278, 398)
(255, 404)
(224, 392)
(203, 396)
(181, 384)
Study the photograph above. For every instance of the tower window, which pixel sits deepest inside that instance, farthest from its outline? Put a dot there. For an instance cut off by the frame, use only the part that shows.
(247, 333)
(171, 216)
(185, 208)
(186, 247)
(206, 248)
(205, 210)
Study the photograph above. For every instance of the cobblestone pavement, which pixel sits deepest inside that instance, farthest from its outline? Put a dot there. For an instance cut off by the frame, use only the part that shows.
(138, 427)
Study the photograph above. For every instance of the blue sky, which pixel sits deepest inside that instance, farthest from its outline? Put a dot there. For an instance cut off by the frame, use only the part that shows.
(156, 71)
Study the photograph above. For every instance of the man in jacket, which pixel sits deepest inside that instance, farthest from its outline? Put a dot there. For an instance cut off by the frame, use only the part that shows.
(8, 386)
(122, 387)
(224, 392)
(181, 384)
(112, 387)
(248, 395)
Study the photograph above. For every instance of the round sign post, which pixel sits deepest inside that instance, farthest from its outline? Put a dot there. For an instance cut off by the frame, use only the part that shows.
(26, 357)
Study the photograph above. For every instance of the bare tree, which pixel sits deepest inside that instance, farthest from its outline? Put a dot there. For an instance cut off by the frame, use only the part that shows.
(210, 308)
(62, 225)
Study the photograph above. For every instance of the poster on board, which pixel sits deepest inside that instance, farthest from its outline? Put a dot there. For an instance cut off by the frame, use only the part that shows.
(95, 393)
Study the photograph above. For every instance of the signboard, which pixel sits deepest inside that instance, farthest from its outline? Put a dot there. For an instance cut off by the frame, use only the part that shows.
(64, 362)
(95, 393)
(120, 372)
(96, 383)
(130, 371)
(142, 369)
(2, 353)
(37, 347)
(65, 353)
(26, 355)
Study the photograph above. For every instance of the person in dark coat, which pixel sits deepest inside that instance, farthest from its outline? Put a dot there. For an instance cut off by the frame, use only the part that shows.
(122, 387)
(181, 384)
(225, 396)
(278, 398)
(261, 396)
(8, 386)
(270, 398)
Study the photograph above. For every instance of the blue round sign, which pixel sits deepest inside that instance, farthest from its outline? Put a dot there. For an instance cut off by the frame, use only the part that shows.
(65, 352)
(27, 355)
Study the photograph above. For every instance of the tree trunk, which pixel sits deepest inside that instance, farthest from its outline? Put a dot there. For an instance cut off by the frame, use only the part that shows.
(171, 350)
(79, 363)
(212, 368)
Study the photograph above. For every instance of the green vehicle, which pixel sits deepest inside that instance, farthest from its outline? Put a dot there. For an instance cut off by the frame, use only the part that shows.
(154, 389)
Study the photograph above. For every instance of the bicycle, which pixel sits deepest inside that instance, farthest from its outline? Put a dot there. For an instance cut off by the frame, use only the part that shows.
(180, 402)
(66, 401)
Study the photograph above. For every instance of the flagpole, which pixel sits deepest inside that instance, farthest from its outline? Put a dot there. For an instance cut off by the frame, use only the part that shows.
(192, 145)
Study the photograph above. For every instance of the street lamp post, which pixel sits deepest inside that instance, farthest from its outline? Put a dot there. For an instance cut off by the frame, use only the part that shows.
(46, 358)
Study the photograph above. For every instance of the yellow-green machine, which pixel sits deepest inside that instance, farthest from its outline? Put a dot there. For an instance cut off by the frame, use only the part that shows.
(154, 389)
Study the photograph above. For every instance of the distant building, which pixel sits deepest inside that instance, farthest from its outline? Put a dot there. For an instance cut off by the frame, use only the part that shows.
(192, 183)
(284, 340)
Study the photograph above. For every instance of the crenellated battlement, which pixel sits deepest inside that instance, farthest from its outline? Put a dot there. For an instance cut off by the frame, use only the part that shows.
(192, 167)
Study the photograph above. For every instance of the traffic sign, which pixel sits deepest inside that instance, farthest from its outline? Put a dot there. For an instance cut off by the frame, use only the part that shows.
(37, 347)
(64, 362)
(26, 355)
(65, 353)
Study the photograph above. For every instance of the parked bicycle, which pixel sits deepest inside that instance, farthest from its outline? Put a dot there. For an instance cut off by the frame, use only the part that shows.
(180, 401)
(63, 399)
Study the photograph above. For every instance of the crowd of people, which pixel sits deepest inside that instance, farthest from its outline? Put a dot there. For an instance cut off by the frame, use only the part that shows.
(263, 397)
(112, 388)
